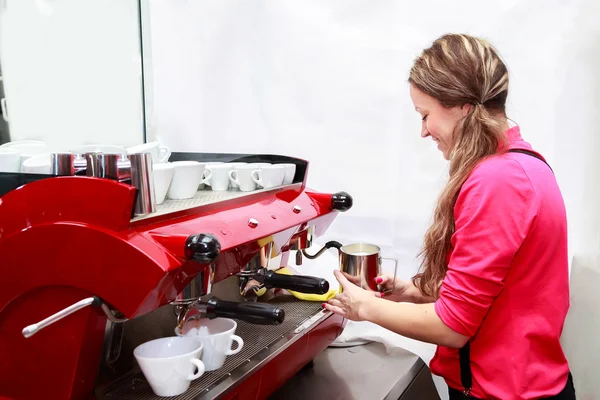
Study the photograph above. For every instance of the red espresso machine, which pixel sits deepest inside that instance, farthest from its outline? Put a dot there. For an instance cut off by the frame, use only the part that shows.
(85, 280)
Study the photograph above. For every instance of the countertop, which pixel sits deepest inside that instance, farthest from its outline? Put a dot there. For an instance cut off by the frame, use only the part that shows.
(355, 373)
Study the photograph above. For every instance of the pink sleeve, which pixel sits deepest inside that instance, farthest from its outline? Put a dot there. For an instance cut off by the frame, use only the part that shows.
(493, 213)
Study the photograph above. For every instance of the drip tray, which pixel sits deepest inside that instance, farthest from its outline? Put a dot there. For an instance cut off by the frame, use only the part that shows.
(256, 339)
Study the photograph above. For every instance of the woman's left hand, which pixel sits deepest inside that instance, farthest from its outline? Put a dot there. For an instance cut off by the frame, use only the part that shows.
(351, 303)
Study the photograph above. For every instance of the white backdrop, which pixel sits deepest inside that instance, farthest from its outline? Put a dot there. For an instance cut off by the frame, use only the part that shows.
(326, 81)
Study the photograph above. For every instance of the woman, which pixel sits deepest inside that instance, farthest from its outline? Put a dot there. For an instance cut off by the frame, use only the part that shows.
(493, 290)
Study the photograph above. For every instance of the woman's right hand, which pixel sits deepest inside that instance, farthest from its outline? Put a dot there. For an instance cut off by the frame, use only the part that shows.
(395, 290)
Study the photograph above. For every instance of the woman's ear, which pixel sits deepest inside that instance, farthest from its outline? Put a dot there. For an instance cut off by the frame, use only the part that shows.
(465, 109)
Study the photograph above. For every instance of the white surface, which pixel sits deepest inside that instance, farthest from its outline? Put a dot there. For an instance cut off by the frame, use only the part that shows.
(72, 71)
(326, 81)
(217, 337)
(168, 364)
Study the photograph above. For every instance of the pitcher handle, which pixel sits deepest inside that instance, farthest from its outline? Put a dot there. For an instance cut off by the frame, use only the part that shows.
(395, 260)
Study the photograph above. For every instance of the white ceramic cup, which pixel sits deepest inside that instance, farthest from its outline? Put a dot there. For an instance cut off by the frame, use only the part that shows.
(232, 184)
(268, 176)
(217, 335)
(218, 176)
(168, 364)
(241, 176)
(38, 164)
(290, 171)
(188, 175)
(160, 153)
(10, 160)
(207, 164)
(163, 175)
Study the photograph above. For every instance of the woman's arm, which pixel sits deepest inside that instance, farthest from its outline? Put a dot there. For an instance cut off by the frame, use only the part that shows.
(416, 321)
(403, 291)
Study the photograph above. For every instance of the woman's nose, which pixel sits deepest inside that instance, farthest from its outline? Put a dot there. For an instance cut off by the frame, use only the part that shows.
(424, 131)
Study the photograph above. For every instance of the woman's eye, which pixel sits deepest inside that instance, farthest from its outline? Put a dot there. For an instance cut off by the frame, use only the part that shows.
(425, 117)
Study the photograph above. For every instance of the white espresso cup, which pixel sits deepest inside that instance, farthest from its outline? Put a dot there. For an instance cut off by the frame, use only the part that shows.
(241, 176)
(290, 171)
(217, 336)
(235, 164)
(169, 363)
(163, 175)
(268, 176)
(160, 153)
(217, 176)
(10, 160)
(188, 175)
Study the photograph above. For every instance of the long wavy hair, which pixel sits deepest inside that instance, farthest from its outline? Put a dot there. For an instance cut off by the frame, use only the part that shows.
(458, 70)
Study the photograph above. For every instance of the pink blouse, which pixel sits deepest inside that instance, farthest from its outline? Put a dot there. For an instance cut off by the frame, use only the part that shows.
(507, 283)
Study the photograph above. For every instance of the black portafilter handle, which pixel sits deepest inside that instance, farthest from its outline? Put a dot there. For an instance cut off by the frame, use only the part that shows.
(302, 284)
(254, 313)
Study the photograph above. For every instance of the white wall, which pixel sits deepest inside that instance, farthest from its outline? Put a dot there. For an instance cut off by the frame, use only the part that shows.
(326, 81)
(72, 71)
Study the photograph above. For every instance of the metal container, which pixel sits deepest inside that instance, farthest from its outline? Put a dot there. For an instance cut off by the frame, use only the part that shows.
(143, 180)
(363, 261)
(103, 165)
(63, 164)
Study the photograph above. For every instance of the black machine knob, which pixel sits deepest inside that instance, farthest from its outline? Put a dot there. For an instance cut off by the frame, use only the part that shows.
(203, 248)
(254, 313)
(341, 201)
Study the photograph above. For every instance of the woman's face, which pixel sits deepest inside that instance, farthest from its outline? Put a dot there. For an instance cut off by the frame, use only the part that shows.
(438, 121)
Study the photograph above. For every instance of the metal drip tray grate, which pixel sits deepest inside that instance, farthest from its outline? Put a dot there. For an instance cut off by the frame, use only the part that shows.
(256, 338)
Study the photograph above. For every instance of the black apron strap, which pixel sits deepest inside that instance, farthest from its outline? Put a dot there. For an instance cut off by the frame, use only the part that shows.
(532, 154)
(464, 353)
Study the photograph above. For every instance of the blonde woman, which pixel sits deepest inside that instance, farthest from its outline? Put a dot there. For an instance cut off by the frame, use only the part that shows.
(493, 289)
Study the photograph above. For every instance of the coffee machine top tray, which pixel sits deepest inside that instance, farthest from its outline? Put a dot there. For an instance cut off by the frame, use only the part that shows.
(205, 198)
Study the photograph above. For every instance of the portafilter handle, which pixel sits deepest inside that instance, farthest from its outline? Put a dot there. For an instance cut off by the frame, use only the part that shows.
(254, 313)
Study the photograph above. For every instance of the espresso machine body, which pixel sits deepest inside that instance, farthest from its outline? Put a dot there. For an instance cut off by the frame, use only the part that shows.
(72, 249)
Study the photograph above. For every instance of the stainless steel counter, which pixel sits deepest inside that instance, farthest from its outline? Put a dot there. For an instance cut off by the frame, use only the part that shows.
(361, 372)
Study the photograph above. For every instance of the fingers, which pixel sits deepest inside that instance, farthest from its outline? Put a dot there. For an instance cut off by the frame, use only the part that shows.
(351, 278)
(341, 279)
(382, 280)
(334, 309)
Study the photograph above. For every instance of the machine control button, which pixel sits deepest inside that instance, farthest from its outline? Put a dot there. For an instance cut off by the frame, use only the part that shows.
(252, 223)
(297, 209)
(203, 248)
